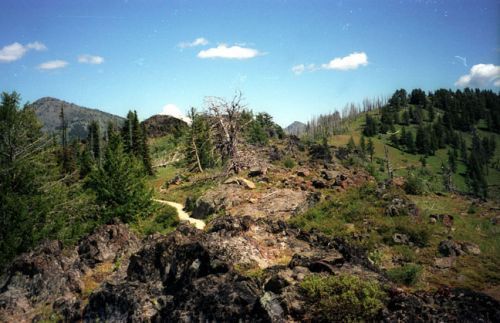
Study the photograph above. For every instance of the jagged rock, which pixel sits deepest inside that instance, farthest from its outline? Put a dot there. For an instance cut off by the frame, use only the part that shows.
(445, 219)
(450, 248)
(495, 220)
(50, 275)
(204, 206)
(471, 248)
(257, 171)
(399, 206)
(444, 305)
(107, 243)
(240, 181)
(318, 183)
(329, 175)
(400, 238)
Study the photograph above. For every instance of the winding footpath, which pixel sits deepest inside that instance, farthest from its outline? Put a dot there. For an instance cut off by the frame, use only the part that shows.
(183, 215)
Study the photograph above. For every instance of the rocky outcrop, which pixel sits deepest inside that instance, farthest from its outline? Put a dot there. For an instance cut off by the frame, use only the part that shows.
(52, 275)
(239, 269)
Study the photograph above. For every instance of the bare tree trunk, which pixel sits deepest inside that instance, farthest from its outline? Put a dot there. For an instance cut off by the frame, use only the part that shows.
(196, 154)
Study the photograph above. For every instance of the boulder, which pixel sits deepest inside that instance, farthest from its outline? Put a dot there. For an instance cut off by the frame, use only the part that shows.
(329, 175)
(471, 248)
(444, 262)
(450, 248)
(257, 171)
(318, 183)
(401, 206)
(240, 181)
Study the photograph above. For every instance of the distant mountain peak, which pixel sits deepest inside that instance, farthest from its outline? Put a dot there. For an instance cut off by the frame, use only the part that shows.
(295, 128)
(48, 109)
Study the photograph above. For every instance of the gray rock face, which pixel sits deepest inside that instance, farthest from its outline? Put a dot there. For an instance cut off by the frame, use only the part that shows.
(51, 275)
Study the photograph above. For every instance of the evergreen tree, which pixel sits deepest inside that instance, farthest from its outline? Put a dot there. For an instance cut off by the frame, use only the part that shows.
(402, 137)
(119, 185)
(410, 142)
(94, 141)
(362, 146)
(452, 162)
(394, 140)
(422, 141)
(370, 148)
(406, 118)
(370, 128)
(146, 157)
(67, 156)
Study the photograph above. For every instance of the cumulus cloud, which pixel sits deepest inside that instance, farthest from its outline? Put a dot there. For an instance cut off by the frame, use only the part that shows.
(15, 51)
(301, 68)
(233, 52)
(172, 110)
(349, 62)
(480, 75)
(90, 59)
(52, 65)
(197, 42)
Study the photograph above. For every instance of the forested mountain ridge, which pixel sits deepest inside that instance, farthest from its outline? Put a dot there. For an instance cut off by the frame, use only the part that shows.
(48, 109)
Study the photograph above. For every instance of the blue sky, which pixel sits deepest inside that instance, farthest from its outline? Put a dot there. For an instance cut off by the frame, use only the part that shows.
(293, 59)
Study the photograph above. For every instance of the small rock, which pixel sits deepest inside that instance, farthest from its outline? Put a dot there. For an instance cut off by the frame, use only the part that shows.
(303, 172)
(444, 262)
(257, 171)
(471, 248)
(317, 183)
(240, 181)
(400, 238)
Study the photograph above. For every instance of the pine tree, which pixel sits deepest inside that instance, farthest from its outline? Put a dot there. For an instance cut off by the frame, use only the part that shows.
(410, 142)
(422, 141)
(370, 148)
(452, 162)
(406, 118)
(94, 141)
(119, 185)
(370, 128)
(362, 146)
(146, 157)
(68, 162)
(199, 147)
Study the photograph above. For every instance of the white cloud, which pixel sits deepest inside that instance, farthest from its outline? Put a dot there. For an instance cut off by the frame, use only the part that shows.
(90, 59)
(52, 65)
(462, 59)
(480, 75)
(349, 62)
(172, 110)
(197, 42)
(299, 69)
(233, 52)
(15, 51)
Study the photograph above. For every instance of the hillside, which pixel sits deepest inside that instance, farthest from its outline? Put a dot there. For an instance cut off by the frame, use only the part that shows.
(162, 125)
(78, 118)
(237, 221)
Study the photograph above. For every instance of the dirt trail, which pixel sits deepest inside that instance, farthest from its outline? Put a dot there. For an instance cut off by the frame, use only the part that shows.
(183, 216)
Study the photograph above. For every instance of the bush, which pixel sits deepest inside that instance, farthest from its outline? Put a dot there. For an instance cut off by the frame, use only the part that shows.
(343, 298)
(414, 185)
(408, 274)
(289, 163)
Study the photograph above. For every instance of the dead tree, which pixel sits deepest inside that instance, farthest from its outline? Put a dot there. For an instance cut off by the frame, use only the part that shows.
(226, 123)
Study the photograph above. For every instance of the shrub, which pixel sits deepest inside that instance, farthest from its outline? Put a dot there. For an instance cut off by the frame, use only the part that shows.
(289, 163)
(414, 185)
(408, 274)
(343, 298)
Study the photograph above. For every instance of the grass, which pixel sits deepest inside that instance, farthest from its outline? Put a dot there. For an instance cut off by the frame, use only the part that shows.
(357, 215)
(163, 221)
(344, 298)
